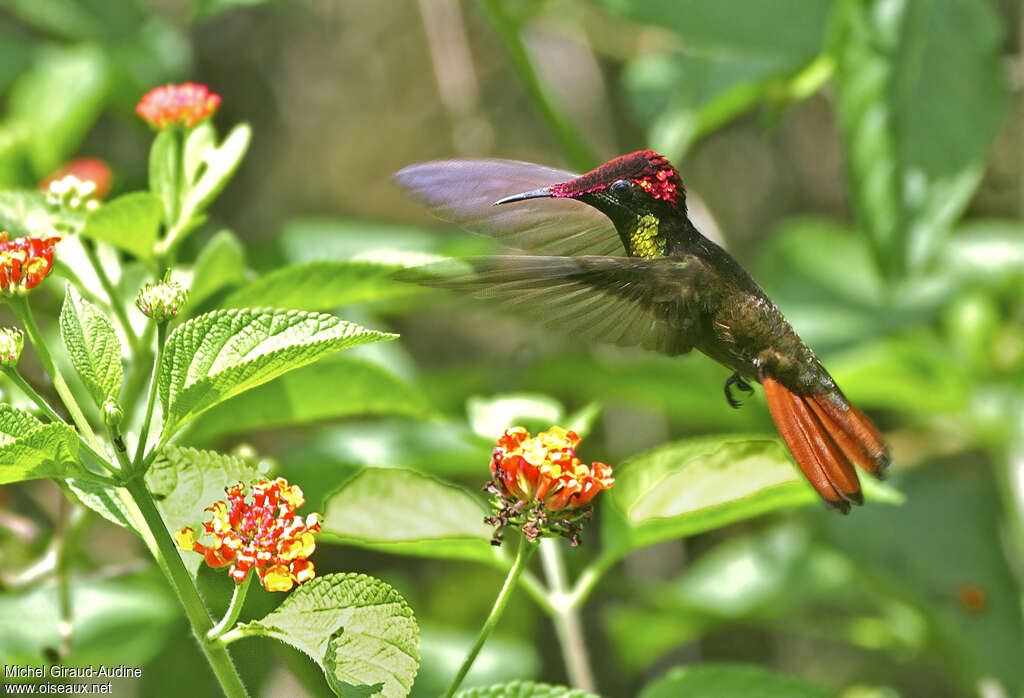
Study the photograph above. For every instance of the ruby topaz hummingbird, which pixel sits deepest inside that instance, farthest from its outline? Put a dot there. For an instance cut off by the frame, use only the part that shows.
(616, 259)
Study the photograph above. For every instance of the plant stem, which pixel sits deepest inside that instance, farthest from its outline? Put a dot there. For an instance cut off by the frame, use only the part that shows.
(116, 302)
(522, 555)
(234, 608)
(140, 450)
(170, 561)
(24, 313)
(566, 618)
(565, 132)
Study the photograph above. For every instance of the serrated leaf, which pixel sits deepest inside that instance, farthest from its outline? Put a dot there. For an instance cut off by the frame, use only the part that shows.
(220, 163)
(523, 689)
(357, 628)
(30, 449)
(703, 483)
(92, 345)
(130, 222)
(218, 355)
(163, 172)
(329, 389)
(321, 285)
(221, 263)
(105, 501)
(731, 681)
(407, 513)
(184, 481)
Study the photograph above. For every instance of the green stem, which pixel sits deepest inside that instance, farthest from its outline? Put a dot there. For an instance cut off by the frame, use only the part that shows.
(566, 619)
(24, 313)
(63, 586)
(137, 380)
(140, 450)
(522, 555)
(116, 302)
(234, 608)
(591, 575)
(564, 130)
(52, 415)
(170, 561)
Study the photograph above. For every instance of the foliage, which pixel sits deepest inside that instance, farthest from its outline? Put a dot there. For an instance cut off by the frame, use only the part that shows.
(912, 301)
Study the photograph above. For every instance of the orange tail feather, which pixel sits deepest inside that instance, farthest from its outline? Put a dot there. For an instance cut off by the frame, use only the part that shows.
(826, 441)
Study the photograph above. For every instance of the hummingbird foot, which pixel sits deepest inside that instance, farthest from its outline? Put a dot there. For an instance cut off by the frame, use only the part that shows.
(736, 380)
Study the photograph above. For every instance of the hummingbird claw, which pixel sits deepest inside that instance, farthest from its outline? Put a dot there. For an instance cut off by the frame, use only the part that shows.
(736, 380)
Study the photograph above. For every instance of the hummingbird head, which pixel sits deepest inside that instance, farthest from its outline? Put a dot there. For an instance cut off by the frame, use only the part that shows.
(636, 191)
(640, 181)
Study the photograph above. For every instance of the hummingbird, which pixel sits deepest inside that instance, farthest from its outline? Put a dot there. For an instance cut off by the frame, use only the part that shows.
(614, 257)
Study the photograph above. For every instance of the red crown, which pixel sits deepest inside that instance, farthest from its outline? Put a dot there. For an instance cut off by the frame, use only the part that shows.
(649, 170)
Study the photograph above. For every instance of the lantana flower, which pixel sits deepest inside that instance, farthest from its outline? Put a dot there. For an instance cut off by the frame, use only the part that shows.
(85, 170)
(177, 105)
(540, 486)
(24, 262)
(264, 534)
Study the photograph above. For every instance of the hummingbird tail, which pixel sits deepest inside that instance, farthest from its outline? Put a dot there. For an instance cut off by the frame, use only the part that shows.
(827, 440)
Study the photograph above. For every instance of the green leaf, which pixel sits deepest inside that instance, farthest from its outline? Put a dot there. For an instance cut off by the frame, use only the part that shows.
(330, 389)
(217, 165)
(57, 101)
(909, 76)
(523, 689)
(92, 345)
(728, 61)
(218, 355)
(198, 144)
(108, 502)
(704, 483)
(321, 286)
(163, 172)
(489, 417)
(406, 513)
(25, 213)
(184, 481)
(504, 658)
(687, 388)
(131, 617)
(930, 560)
(357, 628)
(220, 264)
(911, 373)
(30, 449)
(130, 222)
(437, 447)
(710, 680)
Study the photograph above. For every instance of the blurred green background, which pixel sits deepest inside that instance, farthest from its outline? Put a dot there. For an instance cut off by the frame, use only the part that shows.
(864, 159)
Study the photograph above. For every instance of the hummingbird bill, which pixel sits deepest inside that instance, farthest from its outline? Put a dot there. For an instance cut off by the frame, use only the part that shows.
(611, 255)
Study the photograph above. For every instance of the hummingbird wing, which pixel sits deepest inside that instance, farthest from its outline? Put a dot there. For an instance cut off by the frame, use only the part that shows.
(464, 192)
(630, 301)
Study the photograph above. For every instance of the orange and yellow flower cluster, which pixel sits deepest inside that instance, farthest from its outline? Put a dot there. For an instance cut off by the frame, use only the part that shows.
(540, 483)
(545, 469)
(24, 262)
(265, 534)
(177, 105)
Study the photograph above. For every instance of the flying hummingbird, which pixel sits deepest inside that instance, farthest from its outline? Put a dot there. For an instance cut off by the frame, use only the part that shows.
(616, 259)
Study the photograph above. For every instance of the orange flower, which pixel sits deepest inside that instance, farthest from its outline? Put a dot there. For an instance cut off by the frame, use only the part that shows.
(177, 105)
(24, 262)
(265, 534)
(541, 485)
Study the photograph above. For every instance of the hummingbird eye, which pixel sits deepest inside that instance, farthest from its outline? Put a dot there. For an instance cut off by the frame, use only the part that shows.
(621, 187)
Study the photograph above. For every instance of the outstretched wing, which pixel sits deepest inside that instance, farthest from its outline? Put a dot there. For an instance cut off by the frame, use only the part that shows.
(464, 192)
(628, 301)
